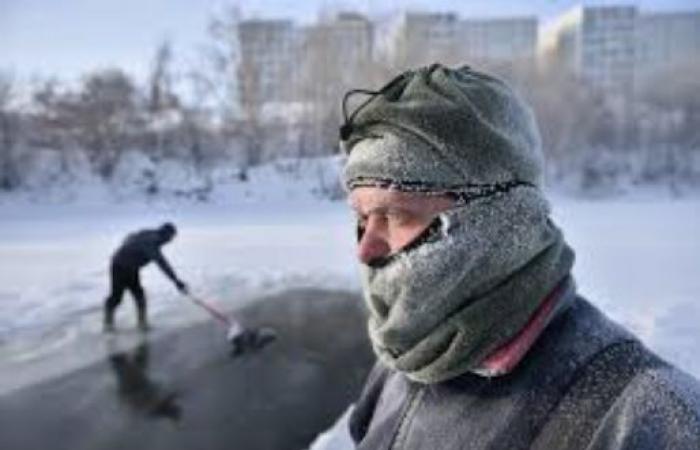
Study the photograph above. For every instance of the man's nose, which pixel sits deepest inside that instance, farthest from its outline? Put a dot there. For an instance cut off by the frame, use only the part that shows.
(373, 244)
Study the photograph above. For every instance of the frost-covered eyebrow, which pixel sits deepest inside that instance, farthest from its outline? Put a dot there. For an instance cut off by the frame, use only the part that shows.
(392, 204)
(382, 209)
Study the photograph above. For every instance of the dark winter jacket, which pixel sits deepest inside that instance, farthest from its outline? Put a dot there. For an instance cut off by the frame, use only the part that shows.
(585, 384)
(141, 248)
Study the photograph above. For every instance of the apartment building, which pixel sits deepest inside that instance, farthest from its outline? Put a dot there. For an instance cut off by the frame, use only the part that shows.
(345, 40)
(498, 39)
(269, 49)
(597, 43)
(666, 40)
(617, 48)
(423, 38)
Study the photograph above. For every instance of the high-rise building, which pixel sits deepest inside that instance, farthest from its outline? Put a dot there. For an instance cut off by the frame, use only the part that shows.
(666, 40)
(336, 54)
(597, 43)
(353, 36)
(276, 55)
(269, 49)
(501, 39)
(424, 38)
(345, 40)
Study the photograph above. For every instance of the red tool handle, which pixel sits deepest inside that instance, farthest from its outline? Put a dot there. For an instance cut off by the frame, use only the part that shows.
(213, 311)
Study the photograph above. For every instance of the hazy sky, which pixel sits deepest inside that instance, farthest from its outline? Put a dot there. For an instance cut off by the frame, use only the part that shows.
(69, 37)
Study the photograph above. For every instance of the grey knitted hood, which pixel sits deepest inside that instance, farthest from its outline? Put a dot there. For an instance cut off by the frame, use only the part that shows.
(465, 129)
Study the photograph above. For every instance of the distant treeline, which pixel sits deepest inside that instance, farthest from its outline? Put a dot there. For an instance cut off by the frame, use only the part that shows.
(197, 117)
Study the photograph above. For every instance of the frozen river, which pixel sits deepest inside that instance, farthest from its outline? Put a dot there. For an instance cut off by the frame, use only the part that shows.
(639, 260)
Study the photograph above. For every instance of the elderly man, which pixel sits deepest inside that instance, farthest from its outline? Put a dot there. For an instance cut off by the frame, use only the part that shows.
(481, 339)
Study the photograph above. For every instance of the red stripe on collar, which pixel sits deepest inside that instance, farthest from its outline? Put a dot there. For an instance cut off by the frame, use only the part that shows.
(504, 359)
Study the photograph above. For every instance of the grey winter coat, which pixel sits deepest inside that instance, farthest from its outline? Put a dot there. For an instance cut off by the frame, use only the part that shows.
(141, 248)
(585, 384)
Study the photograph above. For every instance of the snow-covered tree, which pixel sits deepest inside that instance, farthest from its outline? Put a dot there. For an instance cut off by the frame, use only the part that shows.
(101, 117)
(9, 123)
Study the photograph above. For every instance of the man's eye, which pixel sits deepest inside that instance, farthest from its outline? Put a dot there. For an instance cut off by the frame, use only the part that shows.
(361, 221)
(360, 228)
(398, 218)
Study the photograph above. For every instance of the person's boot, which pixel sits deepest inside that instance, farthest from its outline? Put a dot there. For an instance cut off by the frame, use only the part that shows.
(143, 322)
(108, 324)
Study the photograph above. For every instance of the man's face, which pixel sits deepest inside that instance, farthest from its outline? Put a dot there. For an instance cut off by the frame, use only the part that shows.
(389, 220)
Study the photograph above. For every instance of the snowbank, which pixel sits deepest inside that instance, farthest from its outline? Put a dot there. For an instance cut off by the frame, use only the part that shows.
(60, 178)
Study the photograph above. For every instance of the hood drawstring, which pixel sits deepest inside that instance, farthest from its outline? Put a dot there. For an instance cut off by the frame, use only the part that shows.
(347, 127)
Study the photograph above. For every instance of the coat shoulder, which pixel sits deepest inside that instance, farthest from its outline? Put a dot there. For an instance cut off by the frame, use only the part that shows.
(658, 409)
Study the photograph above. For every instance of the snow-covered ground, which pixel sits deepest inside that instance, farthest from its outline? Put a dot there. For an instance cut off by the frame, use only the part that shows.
(54, 261)
(638, 258)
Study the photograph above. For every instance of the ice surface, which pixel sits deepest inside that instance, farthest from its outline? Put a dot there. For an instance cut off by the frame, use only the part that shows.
(54, 260)
(637, 258)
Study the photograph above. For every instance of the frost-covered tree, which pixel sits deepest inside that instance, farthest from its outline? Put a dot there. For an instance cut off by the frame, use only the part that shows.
(101, 117)
(161, 94)
(229, 85)
(10, 177)
(570, 114)
(163, 106)
(669, 123)
(675, 93)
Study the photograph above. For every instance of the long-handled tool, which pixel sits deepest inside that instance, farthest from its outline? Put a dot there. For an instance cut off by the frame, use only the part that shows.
(241, 339)
(234, 328)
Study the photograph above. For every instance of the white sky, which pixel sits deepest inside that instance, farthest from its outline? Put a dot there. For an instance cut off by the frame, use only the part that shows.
(66, 38)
